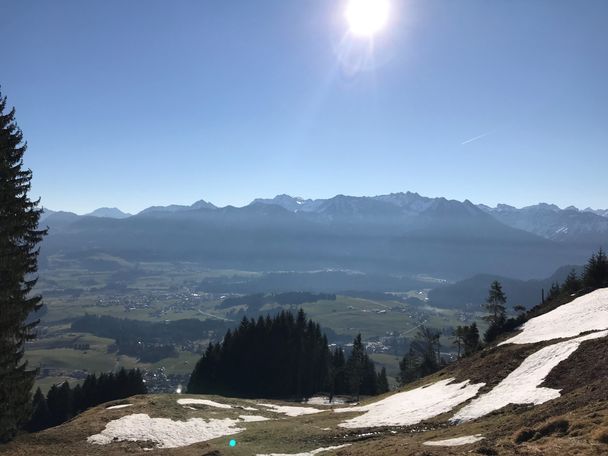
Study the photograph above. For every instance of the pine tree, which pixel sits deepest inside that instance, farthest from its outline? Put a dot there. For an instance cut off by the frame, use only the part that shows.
(471, 339)
(355, 367)
(596, 271)
(19, 238)
(459, 339)
(572, 283)
(495, 305)
(41, 417)
(408, 368)
(382, 382)
(59, 401)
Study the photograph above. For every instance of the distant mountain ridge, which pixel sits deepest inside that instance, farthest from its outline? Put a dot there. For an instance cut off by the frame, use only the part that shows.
(404, 204)
(551, 222)
(109, 212)
(399, 234)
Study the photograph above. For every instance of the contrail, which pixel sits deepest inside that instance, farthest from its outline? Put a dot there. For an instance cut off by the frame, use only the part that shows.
(477, 137)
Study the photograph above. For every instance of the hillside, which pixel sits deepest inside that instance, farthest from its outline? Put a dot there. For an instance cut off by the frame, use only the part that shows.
(540, 391)
(472, 293)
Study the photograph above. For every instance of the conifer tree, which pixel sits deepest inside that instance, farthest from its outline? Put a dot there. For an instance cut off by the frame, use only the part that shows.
(459, 335)
(495, 305)
(382, 382)
(41, 417)
(471, 339)
(596, 271)
(355, 366)
(572, 284)
(19, 238)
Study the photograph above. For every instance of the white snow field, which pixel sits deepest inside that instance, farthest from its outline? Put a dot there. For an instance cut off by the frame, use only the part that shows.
(291, 410)
(253, 418)
(114, 407)
(203, 402)
(456, 441)
(165, 432)
(411, 407)
(324, 400)
(309, 453)
(586, 313)
(521, 385)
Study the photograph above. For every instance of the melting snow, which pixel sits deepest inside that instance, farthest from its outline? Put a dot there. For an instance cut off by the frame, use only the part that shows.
(253, 418)
(310, 453)
(249, 409)
(456, 441)
(411, 407)
(114, 407)
(291, 410)
(585, 313)
(203, 402)
(324, 400)
(165, 432)
(521, 385)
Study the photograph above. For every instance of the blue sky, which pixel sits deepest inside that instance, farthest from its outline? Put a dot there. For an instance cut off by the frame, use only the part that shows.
(135, 103)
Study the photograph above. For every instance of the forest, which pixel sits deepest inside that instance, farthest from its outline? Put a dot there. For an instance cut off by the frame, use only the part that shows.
(284, 356)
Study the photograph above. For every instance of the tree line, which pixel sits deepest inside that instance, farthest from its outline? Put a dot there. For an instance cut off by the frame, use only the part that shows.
(284, 356)
(63, 402)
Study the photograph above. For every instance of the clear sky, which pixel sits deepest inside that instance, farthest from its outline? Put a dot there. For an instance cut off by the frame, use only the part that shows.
(135, 103)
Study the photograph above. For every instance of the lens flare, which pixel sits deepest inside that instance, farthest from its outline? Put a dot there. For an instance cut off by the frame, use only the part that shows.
(367, 17)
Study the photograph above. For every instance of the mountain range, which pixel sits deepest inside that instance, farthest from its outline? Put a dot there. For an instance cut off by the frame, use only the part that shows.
(400, 233)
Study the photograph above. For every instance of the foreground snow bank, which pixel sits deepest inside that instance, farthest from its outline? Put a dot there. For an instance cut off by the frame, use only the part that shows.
(165, 432)
(203, 402)
(586, 313)
(310, 453)
(411, 407)
(521, 385)
(466, 440)
(291, 410)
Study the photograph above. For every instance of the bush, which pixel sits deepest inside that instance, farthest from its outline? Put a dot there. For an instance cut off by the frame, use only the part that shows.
(601, 435)
(524, 435)
(558, 426)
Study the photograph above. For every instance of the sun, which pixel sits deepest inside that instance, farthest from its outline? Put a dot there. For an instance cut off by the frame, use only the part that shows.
(367, 17)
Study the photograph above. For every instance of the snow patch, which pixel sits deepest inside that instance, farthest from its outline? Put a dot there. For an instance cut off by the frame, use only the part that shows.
(411, 407)
(249, 409)
(522, 385)
(456, 441)
(114, 407)
(203, 402)
(586, 313)
(291, 410)
(165, 432)
(253, 418)
(324, 400)
(309, 453)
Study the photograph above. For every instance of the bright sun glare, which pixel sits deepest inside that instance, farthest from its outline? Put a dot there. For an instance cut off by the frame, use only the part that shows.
(367, 17)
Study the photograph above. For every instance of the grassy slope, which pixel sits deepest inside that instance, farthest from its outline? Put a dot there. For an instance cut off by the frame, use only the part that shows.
(583, 406)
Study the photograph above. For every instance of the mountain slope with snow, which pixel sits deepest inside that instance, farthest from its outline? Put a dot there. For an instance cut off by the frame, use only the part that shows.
(542, 391)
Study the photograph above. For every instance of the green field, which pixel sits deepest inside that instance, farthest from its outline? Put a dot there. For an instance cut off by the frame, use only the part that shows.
(158, 292)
